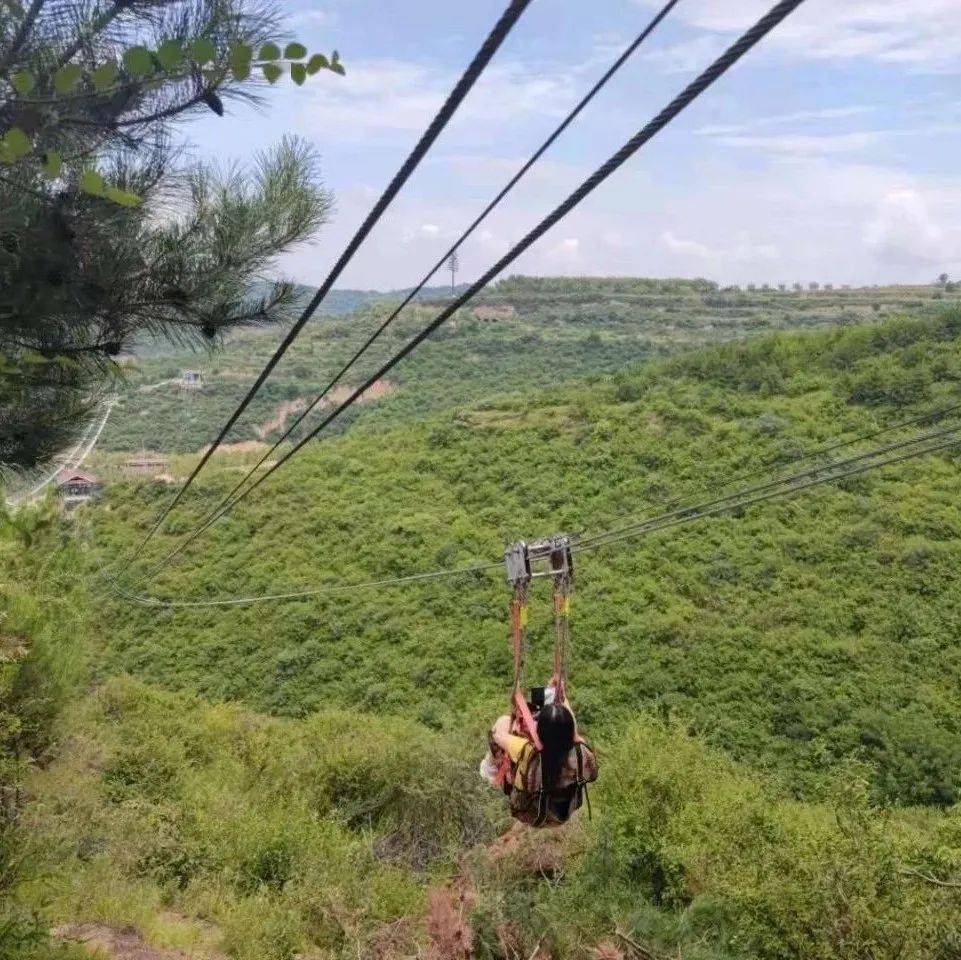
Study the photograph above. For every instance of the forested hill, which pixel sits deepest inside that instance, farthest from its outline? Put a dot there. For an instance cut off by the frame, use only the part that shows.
(522, 334)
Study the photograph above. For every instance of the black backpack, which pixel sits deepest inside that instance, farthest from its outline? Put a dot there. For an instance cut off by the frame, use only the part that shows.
(539, 807)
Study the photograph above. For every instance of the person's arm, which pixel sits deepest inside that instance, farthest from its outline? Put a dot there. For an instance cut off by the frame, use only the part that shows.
(501, 732)
(513, 745)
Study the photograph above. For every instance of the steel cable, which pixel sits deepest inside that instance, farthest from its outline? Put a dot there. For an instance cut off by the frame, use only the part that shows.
(508, 187)
(760, 488)
(829, 474)
(477, 66)
(741, 504)
(931, 416)
(727, 60)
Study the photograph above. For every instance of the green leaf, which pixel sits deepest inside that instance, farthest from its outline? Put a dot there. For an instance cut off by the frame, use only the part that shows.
(123, 197)
(201, 50)
(298, 73)
(52, 164)
(105, 76)
(338, 68)
(295, 51)
(317, 63)
(91, 182)
(23, 82)
(270, 51)
(66, 78)
(138, 61)
(272, 72)
(18, 144)
(241, 56)
(170, 54)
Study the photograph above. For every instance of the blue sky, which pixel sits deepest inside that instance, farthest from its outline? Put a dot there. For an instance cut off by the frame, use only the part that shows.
(831, 153)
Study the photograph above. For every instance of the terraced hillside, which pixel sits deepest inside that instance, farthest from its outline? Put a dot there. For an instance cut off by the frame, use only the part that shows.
(525, 333)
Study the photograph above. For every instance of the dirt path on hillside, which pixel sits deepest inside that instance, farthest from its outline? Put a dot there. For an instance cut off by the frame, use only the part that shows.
(120, 943)
(451, 936)
(376, 391)
(279, 420)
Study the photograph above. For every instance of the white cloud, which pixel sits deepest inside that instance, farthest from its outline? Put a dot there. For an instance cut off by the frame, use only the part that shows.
(566, 253)
(311, 18)
(429, 229)
(398, 95)
(688, 248)
(922, 34)
(799, 145)
(904, 230)
(779, 119)
(687, 56)
(741, 251)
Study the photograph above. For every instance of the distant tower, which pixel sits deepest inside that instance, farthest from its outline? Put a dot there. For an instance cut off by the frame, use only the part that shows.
(453, 264)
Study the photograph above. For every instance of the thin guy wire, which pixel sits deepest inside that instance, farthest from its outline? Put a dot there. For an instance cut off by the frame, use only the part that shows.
(932, 415)
(320, 591)
(688, 517)
(740, 505)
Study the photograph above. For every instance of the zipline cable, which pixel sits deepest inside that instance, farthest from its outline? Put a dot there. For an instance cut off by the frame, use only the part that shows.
(320, 591)
(482, 216)
(828, 474)
(654, 522)
(740, 505)
(477, 66)
(932, 416)
(727, 60)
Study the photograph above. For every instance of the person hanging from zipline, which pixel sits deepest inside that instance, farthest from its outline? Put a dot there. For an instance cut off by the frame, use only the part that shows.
(536, 755)
(543, 786)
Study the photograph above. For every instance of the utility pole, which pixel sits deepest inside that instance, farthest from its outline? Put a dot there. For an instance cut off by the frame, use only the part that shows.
(453, 264)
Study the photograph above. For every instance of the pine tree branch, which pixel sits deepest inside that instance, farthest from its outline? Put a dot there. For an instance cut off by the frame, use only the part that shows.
(20, 37)
(98, 26)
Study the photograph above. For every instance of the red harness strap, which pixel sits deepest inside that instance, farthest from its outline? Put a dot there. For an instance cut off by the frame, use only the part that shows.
(522, 721)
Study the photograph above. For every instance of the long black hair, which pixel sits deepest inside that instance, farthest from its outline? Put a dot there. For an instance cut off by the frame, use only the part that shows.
(555, 727)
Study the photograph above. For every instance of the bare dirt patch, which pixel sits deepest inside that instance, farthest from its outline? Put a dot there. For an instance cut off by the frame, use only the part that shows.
(279, 420)
(377, 391)
(120, 943)
(289, 408)
(241, 446)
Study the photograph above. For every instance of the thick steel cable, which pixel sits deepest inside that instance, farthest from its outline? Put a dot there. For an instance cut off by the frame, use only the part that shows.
(751, 501)
(683, 100)
(482, 216)
(477, 66)
(653, 522)
(833, 475)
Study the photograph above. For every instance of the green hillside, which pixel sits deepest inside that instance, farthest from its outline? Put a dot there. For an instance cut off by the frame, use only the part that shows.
(523, 334)
(774, 695)
(795, 636)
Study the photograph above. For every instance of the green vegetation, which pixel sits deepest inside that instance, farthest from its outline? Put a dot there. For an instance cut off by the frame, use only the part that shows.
(795, 635)
(774, 696)
(525, 333)
(42, 644)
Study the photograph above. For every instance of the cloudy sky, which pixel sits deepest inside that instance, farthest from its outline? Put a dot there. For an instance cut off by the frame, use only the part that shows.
(831, 153)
